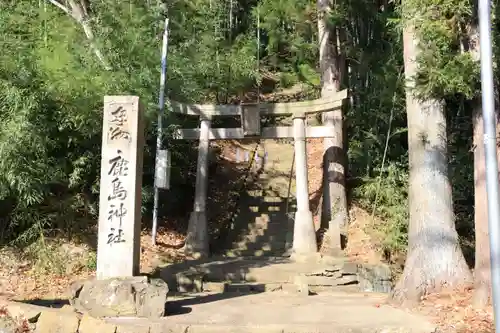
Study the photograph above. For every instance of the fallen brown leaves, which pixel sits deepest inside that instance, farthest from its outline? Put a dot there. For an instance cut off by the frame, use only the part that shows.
(19, 281)
(16, 325)
(168, 244)
(453, 312)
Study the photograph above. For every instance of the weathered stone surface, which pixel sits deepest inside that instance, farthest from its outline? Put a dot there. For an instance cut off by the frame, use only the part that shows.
(217, 287)
(375, 278)
(190, 281)
(89, 324)
(179, 328)
(22, 310)
(292, 313)
(328, 273)
(119, 229)
(331, 281)
(271, 287)
(133, 296)
(132, 328)
(7, 325)
(320, 281)
(298, 257)
(375, 286)
(337, 275)
(151, 304)
(346, 279)
(349, 268)
(379, 272)
(289, 288)
(302, 285)
(68, 307)
(54, 321)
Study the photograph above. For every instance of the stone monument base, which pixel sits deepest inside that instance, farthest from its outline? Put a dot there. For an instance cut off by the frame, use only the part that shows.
(304, 234)
(197, 237)
(120, 297)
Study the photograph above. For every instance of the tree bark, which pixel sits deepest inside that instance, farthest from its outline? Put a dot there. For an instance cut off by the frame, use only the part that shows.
(331, 62)
(435, 260)
(482, 268)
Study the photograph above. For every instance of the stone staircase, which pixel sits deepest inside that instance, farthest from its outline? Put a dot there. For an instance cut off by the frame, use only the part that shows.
(262, 229)
(262, 226)
(253, 256)
(276, 274)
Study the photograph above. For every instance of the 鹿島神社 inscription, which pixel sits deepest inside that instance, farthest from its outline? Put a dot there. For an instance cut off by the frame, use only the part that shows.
(116, 212)
(118, 247)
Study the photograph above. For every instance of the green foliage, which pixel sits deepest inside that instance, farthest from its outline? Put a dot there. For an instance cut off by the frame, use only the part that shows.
(91, 263)
(290, 34)
(387, 197)
(442, 27)
(52, 89)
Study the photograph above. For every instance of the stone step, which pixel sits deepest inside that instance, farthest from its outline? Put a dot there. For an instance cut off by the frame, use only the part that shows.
(258, 239)
(333, 277)
(256, 287)
(259, 243)
(336, 312)
(258, 253)
(262, 229)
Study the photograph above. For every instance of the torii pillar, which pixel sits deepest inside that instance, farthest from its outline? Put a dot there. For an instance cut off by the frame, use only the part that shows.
(304, 233)
(197, 242)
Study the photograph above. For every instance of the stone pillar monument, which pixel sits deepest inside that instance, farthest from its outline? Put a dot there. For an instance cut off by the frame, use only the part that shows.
(304, 233)
(118, 248)
(197, 234)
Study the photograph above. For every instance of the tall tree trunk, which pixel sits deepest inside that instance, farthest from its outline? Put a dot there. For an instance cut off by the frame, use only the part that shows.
(334, 205)
(482, 269)
(435, 259)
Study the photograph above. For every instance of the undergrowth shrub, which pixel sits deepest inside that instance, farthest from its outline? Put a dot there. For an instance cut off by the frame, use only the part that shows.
(386, 198)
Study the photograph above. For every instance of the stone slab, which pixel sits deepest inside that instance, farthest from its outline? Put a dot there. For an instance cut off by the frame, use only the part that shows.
(192, 277)
(57, 322)
(22, 310)
(302, 285)
(90, 324)
(274, 329)
(218, 287)
(330, 281)
(132, 328)
(190, 281)
(324, 313)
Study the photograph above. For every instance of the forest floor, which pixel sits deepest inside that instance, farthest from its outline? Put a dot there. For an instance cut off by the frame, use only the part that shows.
(56, 264)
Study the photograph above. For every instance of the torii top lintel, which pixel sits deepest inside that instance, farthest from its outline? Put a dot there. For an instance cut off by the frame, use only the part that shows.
(277, 109)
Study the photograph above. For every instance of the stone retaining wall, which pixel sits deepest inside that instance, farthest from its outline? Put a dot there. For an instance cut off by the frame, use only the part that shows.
(62, 320)
(349, 276)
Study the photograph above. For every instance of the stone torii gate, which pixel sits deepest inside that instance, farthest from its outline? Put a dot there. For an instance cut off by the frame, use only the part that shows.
(304, 235)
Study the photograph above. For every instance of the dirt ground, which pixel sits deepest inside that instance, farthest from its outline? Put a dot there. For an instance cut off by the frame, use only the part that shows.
(50, 276)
